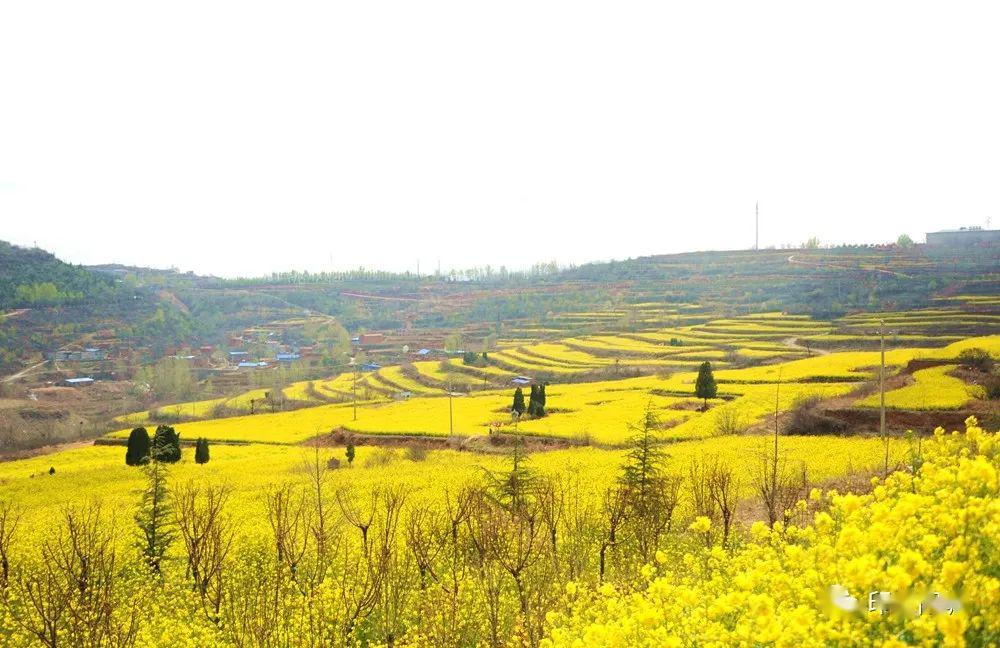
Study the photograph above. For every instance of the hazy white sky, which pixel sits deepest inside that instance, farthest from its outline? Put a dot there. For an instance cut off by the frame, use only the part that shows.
(245, 137)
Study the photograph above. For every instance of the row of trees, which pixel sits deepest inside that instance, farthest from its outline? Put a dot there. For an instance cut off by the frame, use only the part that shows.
(480, 565)
(164, 447)
(536, 402)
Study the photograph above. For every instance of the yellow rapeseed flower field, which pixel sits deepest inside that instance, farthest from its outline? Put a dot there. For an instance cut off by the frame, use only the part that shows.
(932, 389)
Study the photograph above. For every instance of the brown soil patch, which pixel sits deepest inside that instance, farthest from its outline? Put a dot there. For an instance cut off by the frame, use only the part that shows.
(44, 450)
(486, 444)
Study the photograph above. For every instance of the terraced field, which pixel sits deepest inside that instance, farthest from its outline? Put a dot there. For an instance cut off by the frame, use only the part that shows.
(456, 425)
(745, 351)
(932, 389)
(597, 411)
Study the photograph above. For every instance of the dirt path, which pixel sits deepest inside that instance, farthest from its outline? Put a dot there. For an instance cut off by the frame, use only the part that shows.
(24, 372)
(812, 264)
(379, 297)
(793, 342)
(13, 313)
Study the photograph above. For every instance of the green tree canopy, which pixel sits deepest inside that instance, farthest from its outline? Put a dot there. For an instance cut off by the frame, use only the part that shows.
(704, 386)
(518, 401)
(201, 455)
(166, 445)
(137, 452)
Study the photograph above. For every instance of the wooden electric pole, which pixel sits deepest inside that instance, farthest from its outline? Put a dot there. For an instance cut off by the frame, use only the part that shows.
(881, 395)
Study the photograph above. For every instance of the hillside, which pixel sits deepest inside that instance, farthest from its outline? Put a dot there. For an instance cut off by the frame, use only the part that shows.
(589, 323)
(398, 500)
(32, 277)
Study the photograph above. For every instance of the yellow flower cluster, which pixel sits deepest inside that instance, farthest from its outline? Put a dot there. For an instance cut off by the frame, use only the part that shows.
(914, 562)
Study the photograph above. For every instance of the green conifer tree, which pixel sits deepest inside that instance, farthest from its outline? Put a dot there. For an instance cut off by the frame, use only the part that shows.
(166, 445)
(518, 401)
(137, 452)
(154, 518)
(201, 455)
(704, 386)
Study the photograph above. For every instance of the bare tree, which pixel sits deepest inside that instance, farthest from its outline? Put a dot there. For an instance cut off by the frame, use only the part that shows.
(616, 506)
(10, 518)
(208, 537)
(779, 486)
(551, 508)
(321, 518)
(437, 540)
(699, 483)
(72, 595)
(288, 515)
(723, 486)
(360, 561)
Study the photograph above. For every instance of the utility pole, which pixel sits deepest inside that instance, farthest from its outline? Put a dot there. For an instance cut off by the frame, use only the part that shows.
(774, 459)
(354, 389)
(881, 395)
(451, 413)
(756, 230)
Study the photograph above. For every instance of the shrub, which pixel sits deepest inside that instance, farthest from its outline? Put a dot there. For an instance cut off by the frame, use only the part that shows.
(381, 457)
(992, 387)
(978, 359)
(201, 455)
(729, 420)
(416, 453)
(806, 418)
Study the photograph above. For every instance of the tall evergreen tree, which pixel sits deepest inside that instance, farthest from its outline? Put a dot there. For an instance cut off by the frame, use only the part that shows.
(536, 401)
(154, 518)
(644, 459)
(514, 489)
(137, 452)
(166, 445)
(349, 453)
(518, 401)
(704, 386)
(531, 400)
(201, 451)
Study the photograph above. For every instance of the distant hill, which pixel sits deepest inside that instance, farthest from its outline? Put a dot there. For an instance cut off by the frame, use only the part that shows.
(33, 277)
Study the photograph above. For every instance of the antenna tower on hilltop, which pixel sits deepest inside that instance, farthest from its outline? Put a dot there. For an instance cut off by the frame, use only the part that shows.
(756, 230)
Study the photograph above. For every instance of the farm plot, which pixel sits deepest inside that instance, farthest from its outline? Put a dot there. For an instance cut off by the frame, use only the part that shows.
(932, 389)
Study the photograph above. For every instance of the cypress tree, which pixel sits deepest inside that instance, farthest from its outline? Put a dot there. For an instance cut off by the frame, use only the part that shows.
(349, 453)
(536, 402)
(154, 517)
(166, 445)
(518, 401)
(201, 451)
(137, 452)
(704, 386)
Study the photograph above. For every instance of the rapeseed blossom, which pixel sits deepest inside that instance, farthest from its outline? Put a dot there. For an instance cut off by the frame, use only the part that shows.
(915, 534)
